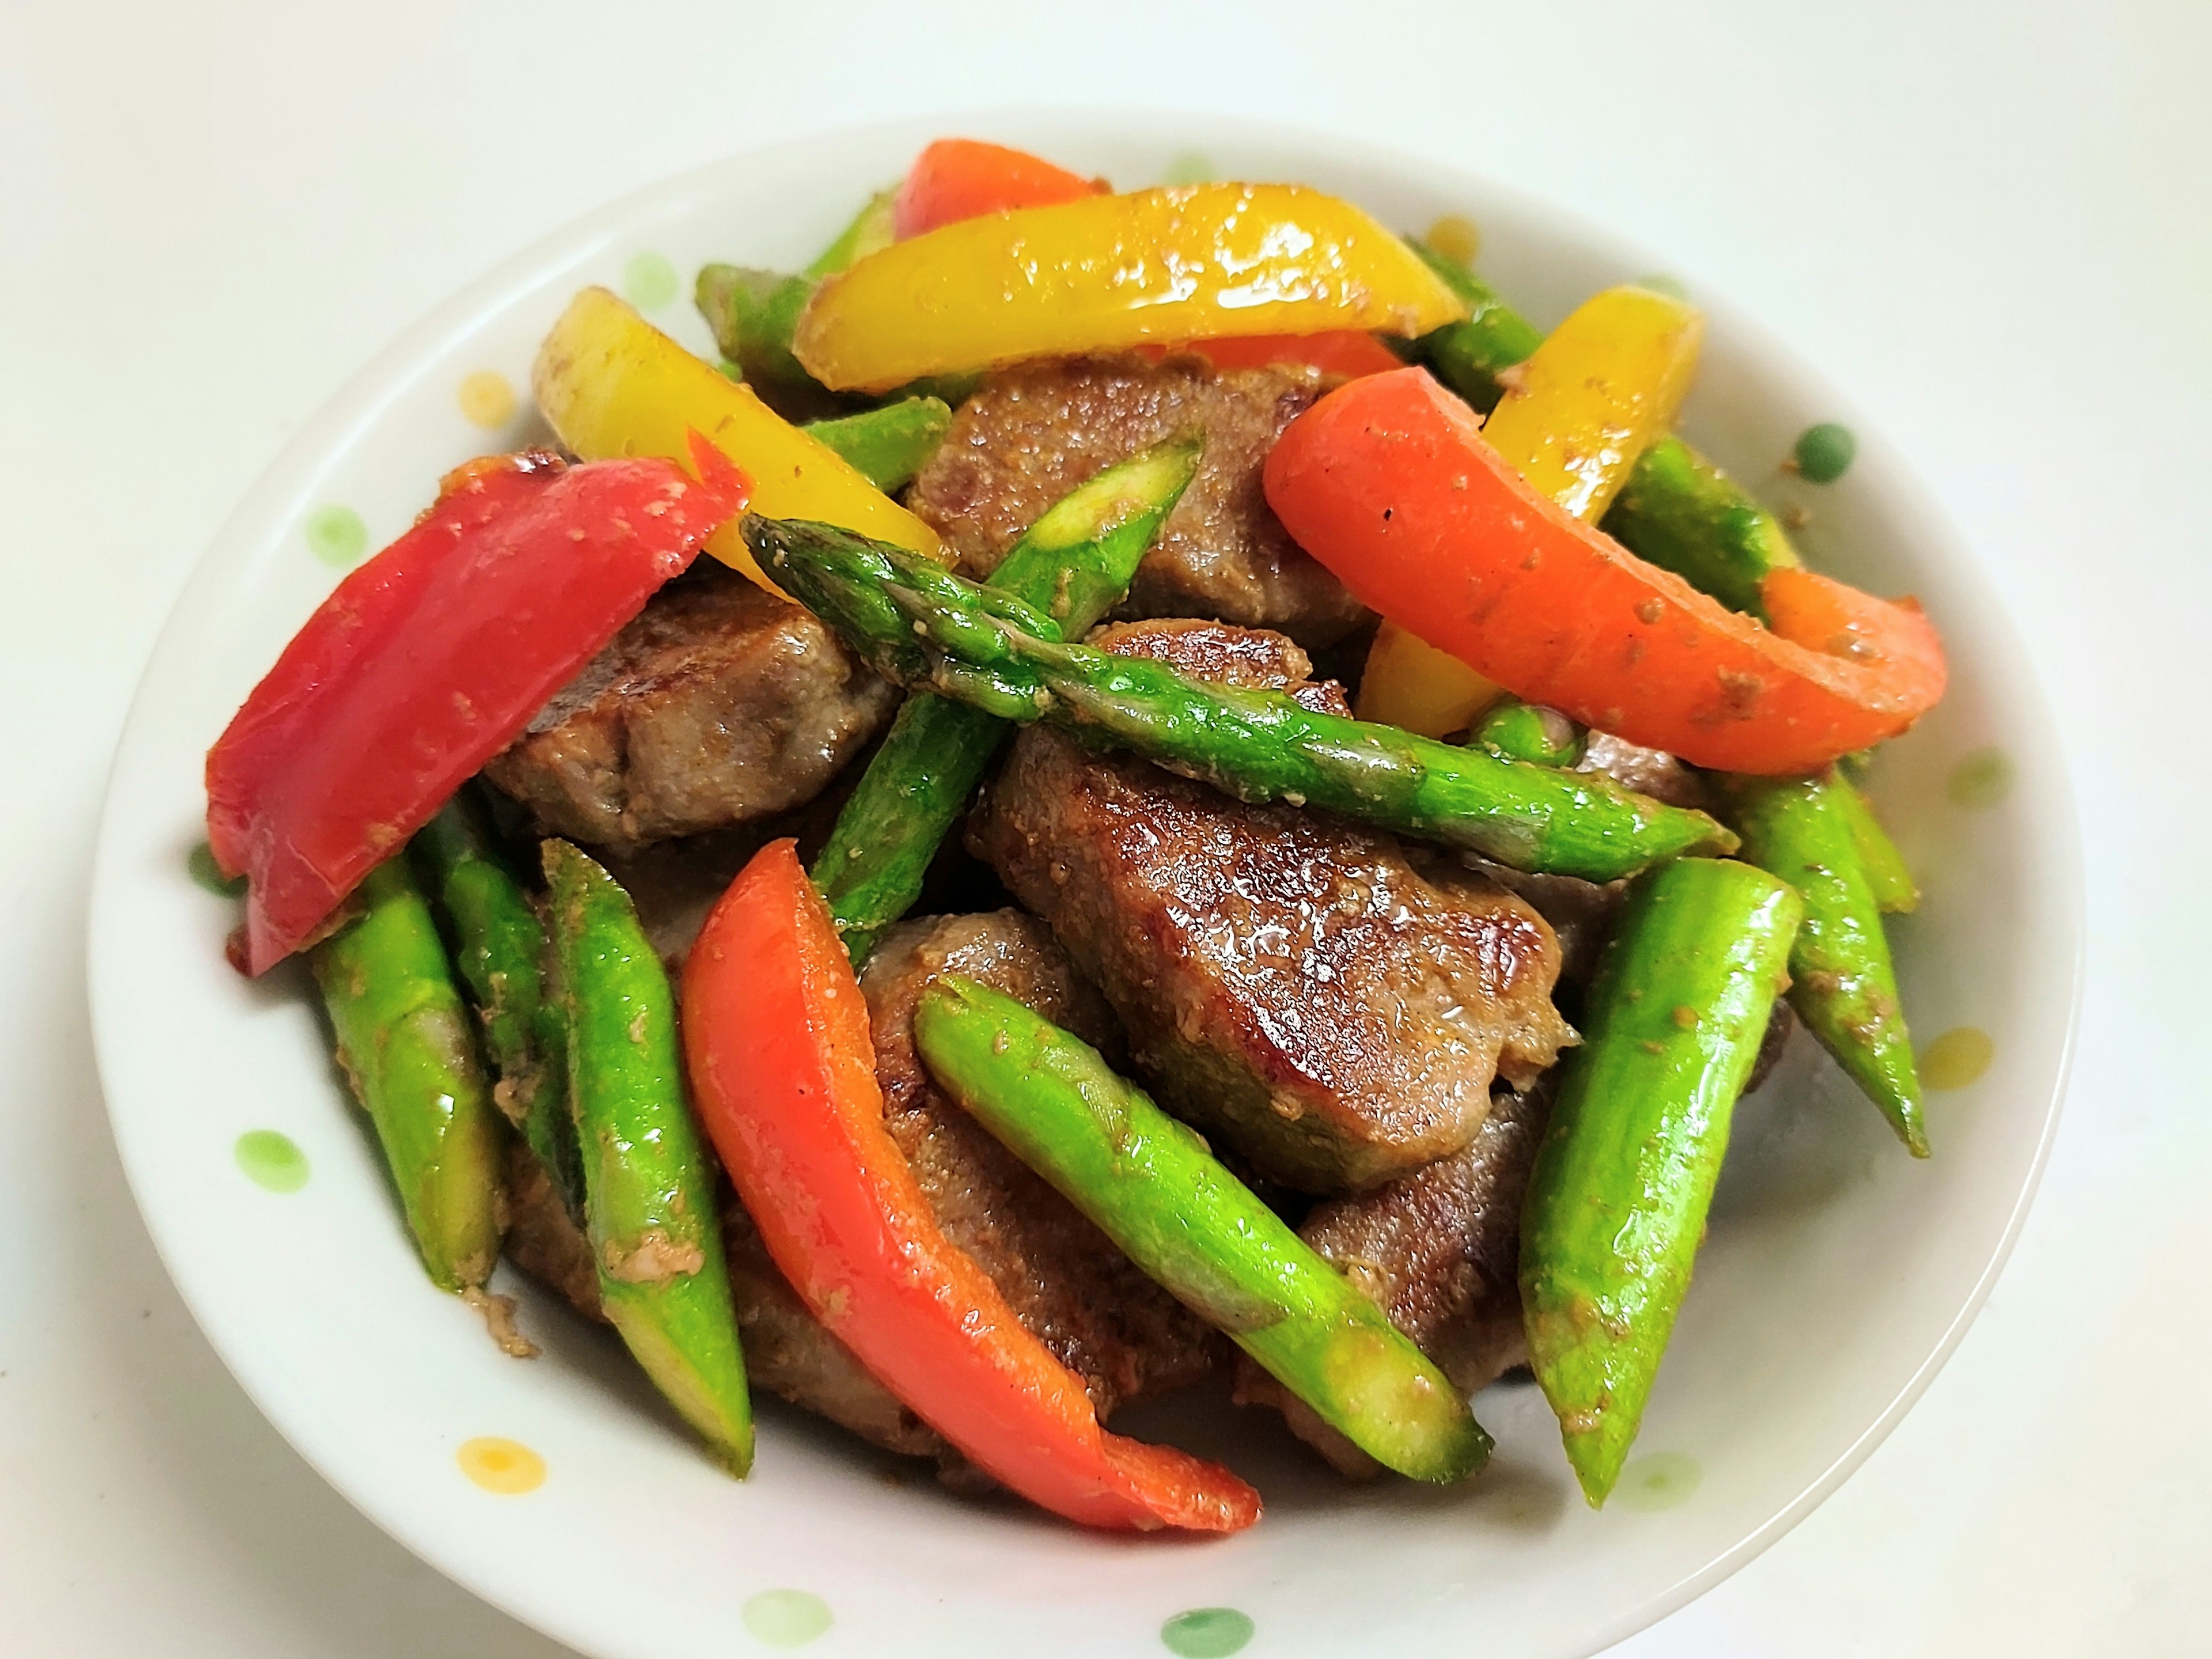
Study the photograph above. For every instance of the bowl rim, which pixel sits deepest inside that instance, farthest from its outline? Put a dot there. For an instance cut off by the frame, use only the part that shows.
(268, 502)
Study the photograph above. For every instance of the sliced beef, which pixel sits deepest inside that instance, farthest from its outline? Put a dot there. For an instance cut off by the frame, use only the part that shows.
(1034, 432)
(1067, 1282)
(1439, 1250)
(1289, 983)
(1652, 772)
(719, 704)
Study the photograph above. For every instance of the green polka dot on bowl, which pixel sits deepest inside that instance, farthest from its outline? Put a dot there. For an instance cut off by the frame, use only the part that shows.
(785, 1617)
(648, 281)
(336, 536)
(1207, 1633)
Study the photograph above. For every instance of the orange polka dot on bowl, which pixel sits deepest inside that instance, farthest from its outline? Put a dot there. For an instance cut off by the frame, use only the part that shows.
(487, 399)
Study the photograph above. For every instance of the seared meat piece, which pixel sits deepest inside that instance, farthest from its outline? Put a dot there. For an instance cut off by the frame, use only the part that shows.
(1289, 983)
(542, 1240)
(1440, 1250)
(1652, 772)
(1581, 912)
(720, 703)
(1037, 431)
(1076, 1291)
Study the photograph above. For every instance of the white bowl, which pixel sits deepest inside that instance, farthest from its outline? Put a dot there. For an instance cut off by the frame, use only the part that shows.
(1838, 1276)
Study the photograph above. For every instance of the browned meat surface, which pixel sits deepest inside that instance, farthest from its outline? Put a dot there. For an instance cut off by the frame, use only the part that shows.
(1034, 432)
(719, 704)
(1070, 1285)
(1581, 912)
(1652, 772)
(1289, 983)
(542, 1240)
(1439, 1250)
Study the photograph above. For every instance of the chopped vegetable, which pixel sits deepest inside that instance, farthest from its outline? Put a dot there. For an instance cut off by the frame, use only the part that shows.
(1155, 1190)
(1473, 356)
(1682, 513)
(498, 945)
(752, 313)
(1163, 265)
(777, 1037)
(404, 1045)
(889, 445)
(1887, 871)
(1617, 1200)
(1345, 351)
(655, 1228)
(1595, 394)
(431, 658)
(957, 178)
(1521, 730)
(1842, 983)
(612, 384)
(924, 627)
(1389, 482)
(1073, 564)
(870, 231)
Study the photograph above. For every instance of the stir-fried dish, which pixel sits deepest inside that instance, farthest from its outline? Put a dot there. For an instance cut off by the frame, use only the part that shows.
(1219, 804)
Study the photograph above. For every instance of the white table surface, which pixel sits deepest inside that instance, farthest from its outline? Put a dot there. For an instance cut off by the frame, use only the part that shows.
(1992, 223)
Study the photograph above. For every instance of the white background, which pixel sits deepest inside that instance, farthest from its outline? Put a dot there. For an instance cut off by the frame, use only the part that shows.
(1990, 223)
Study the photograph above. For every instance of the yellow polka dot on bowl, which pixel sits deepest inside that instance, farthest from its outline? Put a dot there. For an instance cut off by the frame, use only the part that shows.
(486, 400)
(499, 1465)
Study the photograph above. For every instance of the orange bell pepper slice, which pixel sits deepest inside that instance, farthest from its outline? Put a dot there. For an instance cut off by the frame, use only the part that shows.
(957, 178)
(1390, 481)
(782, 1069)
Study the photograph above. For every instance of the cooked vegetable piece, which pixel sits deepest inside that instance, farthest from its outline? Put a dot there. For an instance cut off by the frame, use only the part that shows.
(1887, 871)
(1617, 1201)
(1472, 356)
(431, 658)
(1157, 1192)
(752, 313)
(612, 384)
(1682, 513)
(1522, 731)
(924, 627)
(1390, 481)
(872, 231)
(888, 445)
(1073, 565)
(649, 1190)
(405, 1044)
(777, 1037)
(1113, 271)
(498, 945)
(1345, 351)
(1601, 388)
(1842, 983)
(957, 178)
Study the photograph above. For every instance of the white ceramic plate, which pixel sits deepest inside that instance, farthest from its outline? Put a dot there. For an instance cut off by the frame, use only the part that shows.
(1837, 1278)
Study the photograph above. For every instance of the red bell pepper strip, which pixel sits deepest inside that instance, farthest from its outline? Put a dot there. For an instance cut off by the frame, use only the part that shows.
(431, 658)
(1344, 352)
(957, 178)
(1388, 482)
(782, 1071)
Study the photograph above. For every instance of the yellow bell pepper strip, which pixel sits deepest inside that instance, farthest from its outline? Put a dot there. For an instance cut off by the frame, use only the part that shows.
(1109, 272)
(1603, 386)
(612, 384)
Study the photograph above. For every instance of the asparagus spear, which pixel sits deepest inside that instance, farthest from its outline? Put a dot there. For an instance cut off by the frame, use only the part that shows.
(498, 945)
(1894, 890)
(1844, 987)
(1073, 565)
(1617, 1200)
(1471, 355)
(1526, 732)
(870, 233)
(1152, 1186)
(921, 626)
(890, 444)
(1683, 513)
(649, 1192)
(753, 311)
(404, 1043)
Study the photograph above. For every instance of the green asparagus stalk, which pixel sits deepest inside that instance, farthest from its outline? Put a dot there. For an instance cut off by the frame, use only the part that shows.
(1155, 1190)
(919, 624)
(869, 232)
(649, 1190)
(497, 942)
(1843, 984)
(889, 445)
(1617, 1200)
(1887, 871)
(405, 1044)
(753, 314)
(1471, 356)
(1073, 564)
(1525, 731)
(1683, 513)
